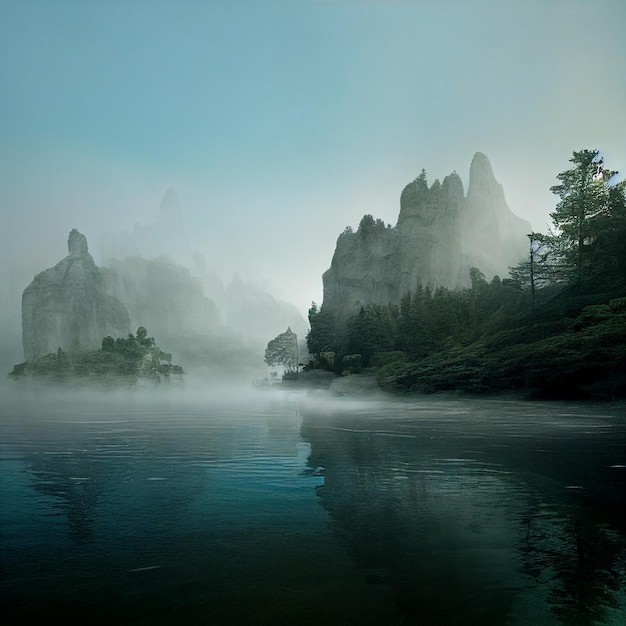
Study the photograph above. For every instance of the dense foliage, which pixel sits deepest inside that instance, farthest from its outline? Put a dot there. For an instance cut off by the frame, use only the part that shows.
(556, 327)
(131, 357)
(283, 350)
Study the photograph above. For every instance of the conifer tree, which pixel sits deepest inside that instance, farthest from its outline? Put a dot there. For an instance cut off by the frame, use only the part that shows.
(584, 195)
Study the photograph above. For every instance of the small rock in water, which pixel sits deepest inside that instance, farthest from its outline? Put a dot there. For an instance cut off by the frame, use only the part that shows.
(318, 471)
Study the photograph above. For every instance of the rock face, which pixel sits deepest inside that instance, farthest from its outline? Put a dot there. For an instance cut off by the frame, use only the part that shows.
(493, 237)
(67, 306)
(157, 258)
(163, 297)
(440, 235)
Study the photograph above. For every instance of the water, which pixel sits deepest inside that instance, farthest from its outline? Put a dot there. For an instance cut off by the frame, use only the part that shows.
(167, 507)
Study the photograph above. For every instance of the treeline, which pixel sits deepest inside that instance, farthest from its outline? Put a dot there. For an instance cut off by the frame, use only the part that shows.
(131, 357)
(555, 327)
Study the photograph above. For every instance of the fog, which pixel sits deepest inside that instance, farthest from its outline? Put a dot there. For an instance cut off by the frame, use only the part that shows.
(280, 123)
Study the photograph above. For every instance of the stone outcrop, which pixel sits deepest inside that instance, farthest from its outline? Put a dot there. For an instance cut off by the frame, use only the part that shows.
(67, 306)
(441, 233)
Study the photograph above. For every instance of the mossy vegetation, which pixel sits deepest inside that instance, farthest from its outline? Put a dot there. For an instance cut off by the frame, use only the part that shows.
(125, 358)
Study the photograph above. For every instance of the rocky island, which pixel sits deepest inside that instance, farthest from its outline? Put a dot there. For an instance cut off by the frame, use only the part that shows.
(73, 327)
(123, 359)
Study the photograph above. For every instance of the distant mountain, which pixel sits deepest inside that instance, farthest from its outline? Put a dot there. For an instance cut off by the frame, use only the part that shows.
(441, 233)
(164, 297)
(165, 236)
(244, 308)
(258, 315)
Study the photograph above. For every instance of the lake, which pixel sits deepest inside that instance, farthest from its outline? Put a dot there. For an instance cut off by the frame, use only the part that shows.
(173, 505)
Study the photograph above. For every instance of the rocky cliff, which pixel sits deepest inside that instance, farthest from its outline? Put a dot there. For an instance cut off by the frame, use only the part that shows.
(441, 233)
(164, 297)
(157, 258)
(67, 306)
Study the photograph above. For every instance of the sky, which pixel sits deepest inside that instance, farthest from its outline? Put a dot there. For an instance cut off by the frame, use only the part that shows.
(281, 122)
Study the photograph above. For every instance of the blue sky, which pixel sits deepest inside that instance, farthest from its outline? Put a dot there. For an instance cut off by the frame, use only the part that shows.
(280, 122)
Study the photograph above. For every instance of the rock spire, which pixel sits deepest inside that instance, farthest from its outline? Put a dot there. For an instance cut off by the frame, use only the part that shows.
(67, 307)
(441, 233)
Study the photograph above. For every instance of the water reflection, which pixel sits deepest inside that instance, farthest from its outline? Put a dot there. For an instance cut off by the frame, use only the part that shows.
(168, 511)
(196, 510)
(71, 492)
(476, 517)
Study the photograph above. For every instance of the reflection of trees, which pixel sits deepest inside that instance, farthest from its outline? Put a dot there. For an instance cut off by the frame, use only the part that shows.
(449, 538)
(577, 555)
(411, 527)
(73, 483)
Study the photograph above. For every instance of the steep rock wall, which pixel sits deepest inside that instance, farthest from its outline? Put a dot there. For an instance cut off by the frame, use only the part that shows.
(440, 235)
(162, 296)
(67, 307)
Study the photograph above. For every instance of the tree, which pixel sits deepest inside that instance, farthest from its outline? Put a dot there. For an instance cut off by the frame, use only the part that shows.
(323, 336)
(608, 251)
(584, 196)
(283, 350)
(108, 344)
(538, 270)
(372, 330)
(143, 339)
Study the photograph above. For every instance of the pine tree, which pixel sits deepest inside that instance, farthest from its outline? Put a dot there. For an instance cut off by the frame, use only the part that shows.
(584, 195)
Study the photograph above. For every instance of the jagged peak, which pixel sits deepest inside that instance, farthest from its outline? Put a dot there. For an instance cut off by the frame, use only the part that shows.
(481, 173)
(77, 243)
(453, 185)
(481, 161)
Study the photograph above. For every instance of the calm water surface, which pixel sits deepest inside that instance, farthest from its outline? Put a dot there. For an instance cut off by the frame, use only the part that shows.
(171, 507)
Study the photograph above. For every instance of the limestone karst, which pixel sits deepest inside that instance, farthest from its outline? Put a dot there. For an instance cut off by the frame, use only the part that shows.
(440, 234)
(67, 307)
(162, 296)
(158, 254)
(75, 304)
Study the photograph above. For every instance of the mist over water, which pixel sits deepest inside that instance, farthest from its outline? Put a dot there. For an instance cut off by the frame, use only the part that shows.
(202, 504)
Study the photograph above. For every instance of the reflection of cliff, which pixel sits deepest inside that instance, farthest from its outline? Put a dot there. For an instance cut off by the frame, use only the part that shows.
(73, 484)
(411, 524)
(138, 460)
(447, 519)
